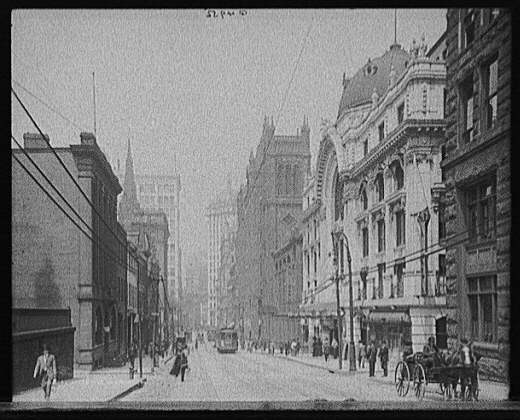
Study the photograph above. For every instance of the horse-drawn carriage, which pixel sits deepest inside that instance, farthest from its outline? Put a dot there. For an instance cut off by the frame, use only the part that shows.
(421, 370)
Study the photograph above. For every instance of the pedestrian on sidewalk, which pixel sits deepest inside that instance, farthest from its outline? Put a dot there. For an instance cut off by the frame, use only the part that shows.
(314, 347)
(46, 369)
(298, 347)
(335, 348)
(184, 363)
(326, 350)
(372, 356)
(293, 348)
(383, 357)
(362, 356)
(345, 357)
(132, 352)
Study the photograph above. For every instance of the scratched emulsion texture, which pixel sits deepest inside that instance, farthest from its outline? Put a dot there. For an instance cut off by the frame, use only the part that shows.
(191, 91)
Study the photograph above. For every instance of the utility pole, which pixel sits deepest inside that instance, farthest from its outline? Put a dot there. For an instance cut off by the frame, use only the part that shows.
(352, 358)
(139, 323)
(338, 307)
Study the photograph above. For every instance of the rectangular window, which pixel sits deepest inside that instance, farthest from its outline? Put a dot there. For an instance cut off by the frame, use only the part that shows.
(481, 210)
(315, 262)
(482, 300)
(373, 287)
(466, 111)
(380, 275)
(490, 89)
(365, 242)
(365, 147)
(400, 227)
(380, 235)
(444, 102)
(381, 130)
(440, 287)
(364, 285)
(400, 113)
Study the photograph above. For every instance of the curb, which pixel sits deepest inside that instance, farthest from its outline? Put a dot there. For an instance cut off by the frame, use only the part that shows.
(123, 394)
(340, 372)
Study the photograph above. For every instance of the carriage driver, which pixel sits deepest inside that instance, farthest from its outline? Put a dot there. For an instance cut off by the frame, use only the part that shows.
(431, 354)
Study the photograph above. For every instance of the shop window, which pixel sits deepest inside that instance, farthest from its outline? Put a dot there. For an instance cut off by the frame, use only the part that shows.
(481, 210)
(466, 111)
(482, 299)
(490, 90)
(400, 227)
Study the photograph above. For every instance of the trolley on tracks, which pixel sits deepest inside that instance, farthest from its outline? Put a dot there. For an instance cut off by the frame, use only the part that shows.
(415, 369)
(227, 341)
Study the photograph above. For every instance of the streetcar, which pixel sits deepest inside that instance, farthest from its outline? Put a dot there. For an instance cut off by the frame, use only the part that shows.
(227, 341)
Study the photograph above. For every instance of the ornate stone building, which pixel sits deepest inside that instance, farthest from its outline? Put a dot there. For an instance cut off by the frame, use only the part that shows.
(373, 180)
(476, 172)
(267, 205)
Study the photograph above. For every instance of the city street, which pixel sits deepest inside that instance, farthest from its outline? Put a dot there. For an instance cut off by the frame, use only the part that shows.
(261, 377)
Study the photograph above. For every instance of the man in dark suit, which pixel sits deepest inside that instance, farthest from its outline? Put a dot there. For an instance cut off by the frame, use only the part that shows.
(46, 369)
(371, 356)
(383, 356)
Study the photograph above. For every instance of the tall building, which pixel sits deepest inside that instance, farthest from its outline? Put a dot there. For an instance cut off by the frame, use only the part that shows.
(268, 205)
(375, 179)
(221, 217)
(162, 193)
(477, 175)
(55, 265)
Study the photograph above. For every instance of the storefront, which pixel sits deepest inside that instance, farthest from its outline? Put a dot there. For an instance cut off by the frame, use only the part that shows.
(394, 327)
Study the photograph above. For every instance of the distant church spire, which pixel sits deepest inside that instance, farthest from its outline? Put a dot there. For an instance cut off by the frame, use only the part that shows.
(129, 201)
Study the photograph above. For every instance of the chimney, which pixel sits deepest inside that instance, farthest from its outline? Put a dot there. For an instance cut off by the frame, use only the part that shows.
(35, 141)
(87, 139)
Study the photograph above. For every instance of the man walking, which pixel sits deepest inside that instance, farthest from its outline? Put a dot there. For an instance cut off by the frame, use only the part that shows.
(184, 363)
(46, 369)
(383, 356)
(326, 350)
(372, 355)
(362, 354)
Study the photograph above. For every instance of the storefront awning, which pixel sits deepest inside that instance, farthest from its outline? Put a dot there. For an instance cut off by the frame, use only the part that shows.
(389, 317)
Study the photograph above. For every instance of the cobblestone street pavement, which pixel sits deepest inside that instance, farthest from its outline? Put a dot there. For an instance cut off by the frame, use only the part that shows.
(261, 377)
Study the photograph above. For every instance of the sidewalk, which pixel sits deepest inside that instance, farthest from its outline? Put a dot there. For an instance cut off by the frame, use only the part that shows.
(488, 390)
(101, 385)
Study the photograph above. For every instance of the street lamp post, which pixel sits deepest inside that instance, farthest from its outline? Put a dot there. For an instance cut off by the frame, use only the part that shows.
(338, 307)
(336, 239)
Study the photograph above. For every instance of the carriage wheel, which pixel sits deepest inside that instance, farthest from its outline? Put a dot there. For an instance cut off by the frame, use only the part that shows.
(419, 381)
(402, 379)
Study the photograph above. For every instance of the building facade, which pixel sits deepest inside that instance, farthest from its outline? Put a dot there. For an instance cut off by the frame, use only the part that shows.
(375, 179)
(267, 205)
(476, 173)
(57, 266)
(221, 217)
(287, 289)
(227, 287)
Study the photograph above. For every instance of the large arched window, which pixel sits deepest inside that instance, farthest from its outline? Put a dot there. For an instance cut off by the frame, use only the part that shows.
(338, 197)
(98, 327)
(380, 187)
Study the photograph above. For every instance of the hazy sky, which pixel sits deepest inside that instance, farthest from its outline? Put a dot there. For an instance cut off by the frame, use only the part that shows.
(191, 92)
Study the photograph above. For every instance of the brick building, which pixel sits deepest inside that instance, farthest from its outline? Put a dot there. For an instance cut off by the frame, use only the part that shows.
(56, 266)
(267, 206)
(476, 172)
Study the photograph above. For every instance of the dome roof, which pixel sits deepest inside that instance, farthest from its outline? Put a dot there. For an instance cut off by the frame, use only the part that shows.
(375, 74)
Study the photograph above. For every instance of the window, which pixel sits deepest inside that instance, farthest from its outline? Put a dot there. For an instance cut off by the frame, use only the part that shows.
(373, 287)
(365, 147)
(489, 88)
(308, 263)
(466, 96)
(364, 199)
(365, 241)
(380, 235)
(381, 130)
(380, 274)
(364, 285)
(469, 29)
(400, 227)
(98, 327)
(398, 175)
(440, 287)
(399, 274)
(315, 262)
(482, 299)
(444, 103)
(338, 197)
(380, 187)
(481, 210)
(400, 113)
(442, 222)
